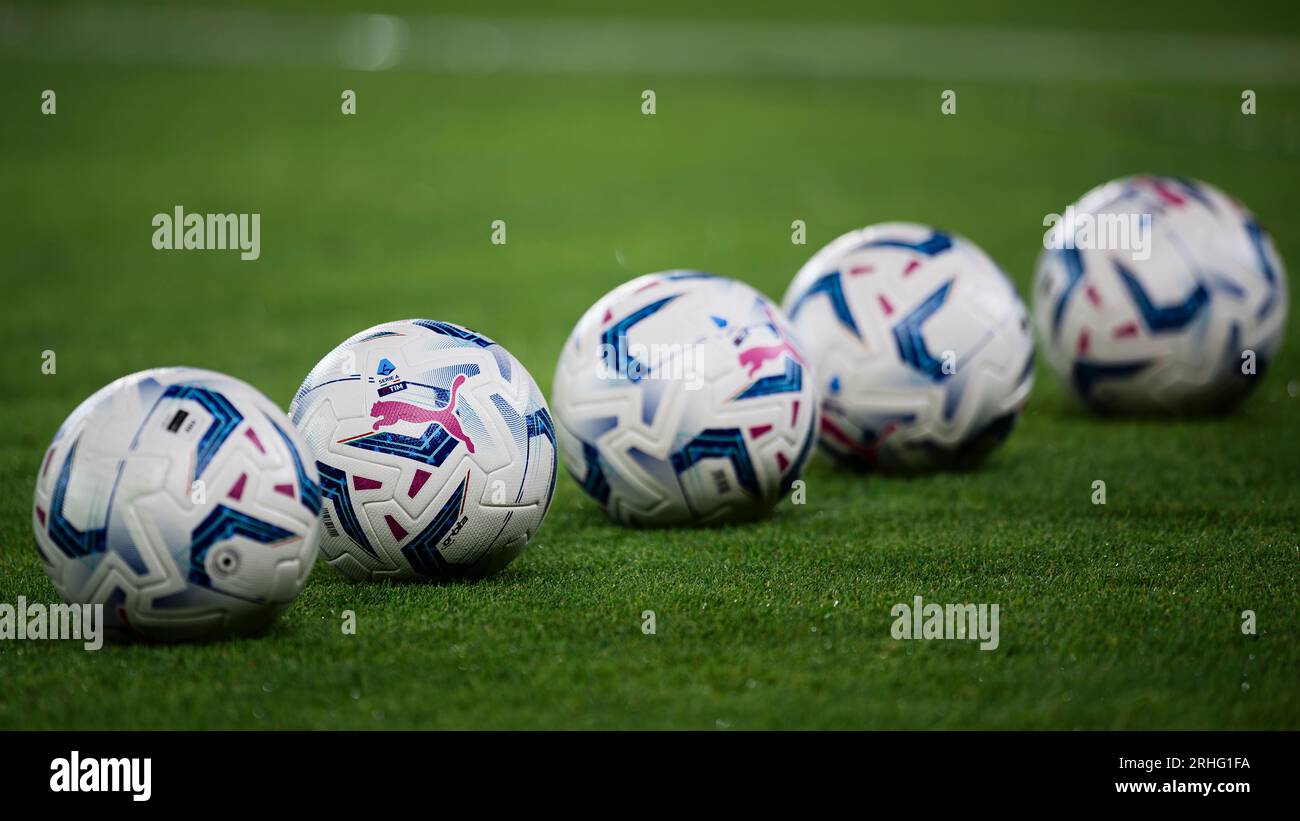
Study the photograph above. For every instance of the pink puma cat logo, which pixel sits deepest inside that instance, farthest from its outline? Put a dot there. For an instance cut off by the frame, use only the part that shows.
(753, 358)
(390, 412)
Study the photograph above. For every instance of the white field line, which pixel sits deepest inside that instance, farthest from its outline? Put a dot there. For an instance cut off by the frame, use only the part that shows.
(646, 47)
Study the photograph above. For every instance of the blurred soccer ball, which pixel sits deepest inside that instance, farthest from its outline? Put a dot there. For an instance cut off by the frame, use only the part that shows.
(920, 344)
(183, 501)
(1183, 316)
(436, 452)
(681, 398)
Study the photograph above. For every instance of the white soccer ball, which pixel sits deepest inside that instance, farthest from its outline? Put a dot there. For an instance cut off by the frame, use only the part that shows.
(183, 501)
(1159, 295)
(920, 344)
(435, 449)
(682, 398)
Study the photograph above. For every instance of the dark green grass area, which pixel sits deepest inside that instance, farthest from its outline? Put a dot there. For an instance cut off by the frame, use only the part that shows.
(1246, 17)
(1118, 616)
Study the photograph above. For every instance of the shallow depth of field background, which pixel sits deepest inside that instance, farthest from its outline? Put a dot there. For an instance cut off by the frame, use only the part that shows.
(1122, 616)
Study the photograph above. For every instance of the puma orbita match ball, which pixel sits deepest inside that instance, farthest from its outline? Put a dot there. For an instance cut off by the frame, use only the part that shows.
(435, 448)
(922, 347)
(1159, 295)
(683, 398)
(183, 501)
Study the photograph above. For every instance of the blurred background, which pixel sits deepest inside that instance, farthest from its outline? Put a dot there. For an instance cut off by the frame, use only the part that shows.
(532, 113)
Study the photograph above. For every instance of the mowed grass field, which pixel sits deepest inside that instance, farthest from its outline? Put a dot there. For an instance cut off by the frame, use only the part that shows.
(1125, 615)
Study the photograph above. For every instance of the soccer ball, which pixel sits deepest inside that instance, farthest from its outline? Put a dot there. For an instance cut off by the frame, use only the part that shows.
(1159, 295)
(682, 398)
(183, 501)
(920, 344)
(435, 449)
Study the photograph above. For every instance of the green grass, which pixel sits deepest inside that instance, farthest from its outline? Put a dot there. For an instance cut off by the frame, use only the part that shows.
(1122, 616)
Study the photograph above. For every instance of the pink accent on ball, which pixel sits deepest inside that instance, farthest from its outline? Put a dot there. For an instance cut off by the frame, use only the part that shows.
(252, 437)
(417, 482)
(397, 530)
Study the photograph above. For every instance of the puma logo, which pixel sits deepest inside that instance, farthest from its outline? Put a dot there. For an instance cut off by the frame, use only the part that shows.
(390, 412)
(753, 358)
